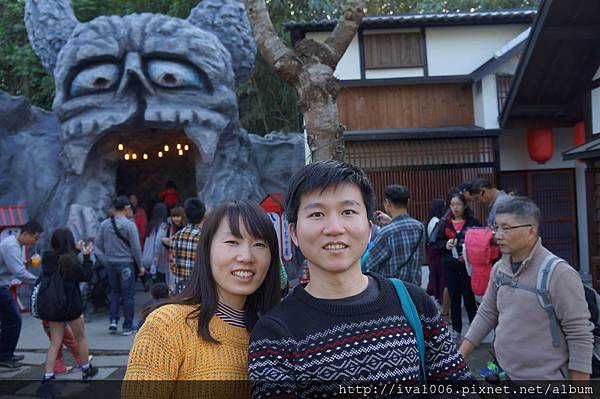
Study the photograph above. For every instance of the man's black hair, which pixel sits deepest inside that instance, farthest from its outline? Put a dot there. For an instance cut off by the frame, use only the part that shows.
(194, 210)
(32, 227)
(465, 186)
(398, 195)
(322, 175)
(478, 184)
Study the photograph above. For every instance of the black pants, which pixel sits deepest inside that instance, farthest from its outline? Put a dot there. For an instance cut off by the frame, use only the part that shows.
(459, 286)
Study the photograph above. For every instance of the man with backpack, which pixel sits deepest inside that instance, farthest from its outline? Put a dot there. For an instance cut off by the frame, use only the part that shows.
(12, 267)
(119, 241)
(344, 325)
(400, 245)
(536, 303)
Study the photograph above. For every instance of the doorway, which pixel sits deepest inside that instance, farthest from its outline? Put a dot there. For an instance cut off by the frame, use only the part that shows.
(146, 164)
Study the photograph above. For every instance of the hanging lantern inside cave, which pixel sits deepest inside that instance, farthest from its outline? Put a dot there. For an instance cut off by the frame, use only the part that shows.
(540, 144)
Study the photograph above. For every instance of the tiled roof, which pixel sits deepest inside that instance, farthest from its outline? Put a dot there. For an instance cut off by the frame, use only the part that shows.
(458, 18)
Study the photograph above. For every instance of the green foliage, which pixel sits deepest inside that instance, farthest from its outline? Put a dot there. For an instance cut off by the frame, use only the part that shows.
(267, 103)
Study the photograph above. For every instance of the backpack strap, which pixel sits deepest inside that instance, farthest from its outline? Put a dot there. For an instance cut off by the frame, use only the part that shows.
(540, 290)
(543, 294)
(410, 311)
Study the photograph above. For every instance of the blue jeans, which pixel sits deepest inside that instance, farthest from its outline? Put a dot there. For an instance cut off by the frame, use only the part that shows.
(121, 277)
(10, 324)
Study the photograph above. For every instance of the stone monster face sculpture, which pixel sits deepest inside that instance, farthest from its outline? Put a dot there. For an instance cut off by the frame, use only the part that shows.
(146, 70)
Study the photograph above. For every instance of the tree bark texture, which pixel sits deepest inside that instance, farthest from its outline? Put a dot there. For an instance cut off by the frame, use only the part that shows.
(309, 67)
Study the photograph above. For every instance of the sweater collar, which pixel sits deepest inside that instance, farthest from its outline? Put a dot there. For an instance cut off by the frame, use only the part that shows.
(386, 293)
(533, 256)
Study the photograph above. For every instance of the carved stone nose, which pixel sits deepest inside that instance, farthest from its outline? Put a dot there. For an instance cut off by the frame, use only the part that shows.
(133, 71)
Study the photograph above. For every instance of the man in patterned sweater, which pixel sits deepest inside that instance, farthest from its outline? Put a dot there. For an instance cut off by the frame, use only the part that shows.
(344, 325)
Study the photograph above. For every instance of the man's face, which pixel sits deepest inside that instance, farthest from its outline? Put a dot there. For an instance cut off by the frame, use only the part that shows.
(133, 200)
(516, 240)
(332, 229)
(30, 239)
(484, 196)
(469, 197)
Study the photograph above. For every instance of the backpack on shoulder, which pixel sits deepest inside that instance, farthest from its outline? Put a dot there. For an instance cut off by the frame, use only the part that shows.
(48, 299)
(543, 294)
(478, 244)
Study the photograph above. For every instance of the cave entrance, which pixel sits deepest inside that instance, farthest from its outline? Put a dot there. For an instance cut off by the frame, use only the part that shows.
(148, 160)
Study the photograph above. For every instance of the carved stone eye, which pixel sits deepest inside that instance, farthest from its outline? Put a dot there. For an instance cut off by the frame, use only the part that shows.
(172, 74)
(96, 78)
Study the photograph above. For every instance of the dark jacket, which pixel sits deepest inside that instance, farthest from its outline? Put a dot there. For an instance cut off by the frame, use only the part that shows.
(447, 232)
(72, 275)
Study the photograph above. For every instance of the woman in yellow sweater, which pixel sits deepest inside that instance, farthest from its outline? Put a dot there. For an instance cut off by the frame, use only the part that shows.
(202, 334)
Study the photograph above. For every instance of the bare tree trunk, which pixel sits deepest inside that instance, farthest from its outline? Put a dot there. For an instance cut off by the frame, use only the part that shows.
(309, 68)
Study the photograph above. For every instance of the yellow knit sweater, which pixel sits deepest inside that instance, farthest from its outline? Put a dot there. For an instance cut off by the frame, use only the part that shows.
(168, 348)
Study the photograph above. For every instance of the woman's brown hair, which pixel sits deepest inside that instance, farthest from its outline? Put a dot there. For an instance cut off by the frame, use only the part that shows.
(201, 288)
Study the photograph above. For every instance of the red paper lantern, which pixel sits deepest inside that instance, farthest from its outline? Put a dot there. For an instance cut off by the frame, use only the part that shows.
(579, 133)
(540, 144)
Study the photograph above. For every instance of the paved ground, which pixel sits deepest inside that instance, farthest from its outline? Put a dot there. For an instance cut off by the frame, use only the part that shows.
(110, 356)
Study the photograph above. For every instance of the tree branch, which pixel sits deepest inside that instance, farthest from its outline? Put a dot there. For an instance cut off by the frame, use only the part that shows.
(271, 47)
(345, 29)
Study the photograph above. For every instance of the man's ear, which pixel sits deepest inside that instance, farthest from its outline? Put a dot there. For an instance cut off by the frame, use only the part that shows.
(292, 230)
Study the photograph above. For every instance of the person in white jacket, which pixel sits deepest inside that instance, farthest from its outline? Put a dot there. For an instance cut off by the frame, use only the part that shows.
(154, 257)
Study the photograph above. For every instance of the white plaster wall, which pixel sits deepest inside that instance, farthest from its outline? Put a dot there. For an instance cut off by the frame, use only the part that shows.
(485, 102)
(514, 155)
(596, 110)
(394, 73)
(349, 65)
(458, 50)
(490, 102)
(478, 104)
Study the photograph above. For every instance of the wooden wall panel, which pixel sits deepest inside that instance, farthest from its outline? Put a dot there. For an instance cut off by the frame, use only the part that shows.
(406, 106)
(393, 50)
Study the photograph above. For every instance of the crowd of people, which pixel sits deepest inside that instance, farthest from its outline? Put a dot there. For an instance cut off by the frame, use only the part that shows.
(217, 312)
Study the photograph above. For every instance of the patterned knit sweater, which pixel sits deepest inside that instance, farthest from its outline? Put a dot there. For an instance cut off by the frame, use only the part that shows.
(305, 340)
(168, 348)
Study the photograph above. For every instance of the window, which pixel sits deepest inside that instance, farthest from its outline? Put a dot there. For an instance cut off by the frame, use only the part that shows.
(393, 50)
(503, 83)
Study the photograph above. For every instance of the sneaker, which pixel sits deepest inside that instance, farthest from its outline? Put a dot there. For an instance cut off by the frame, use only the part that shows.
(127, 332)
(112, 327)
(63, 370)
(87, 374)
(11, 363)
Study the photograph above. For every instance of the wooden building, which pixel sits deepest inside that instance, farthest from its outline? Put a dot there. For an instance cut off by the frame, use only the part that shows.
(424, 103)
(557, 85)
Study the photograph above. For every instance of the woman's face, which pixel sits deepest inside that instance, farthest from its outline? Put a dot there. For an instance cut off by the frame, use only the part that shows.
(177, 220)
(457, 207)
(238, 265)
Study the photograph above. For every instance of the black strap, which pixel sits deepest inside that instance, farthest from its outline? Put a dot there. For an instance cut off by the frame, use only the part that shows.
(125, 240)
(118, 232)
(412, 254)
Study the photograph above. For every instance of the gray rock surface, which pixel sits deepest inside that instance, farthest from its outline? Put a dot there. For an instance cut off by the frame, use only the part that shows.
(141, 72)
